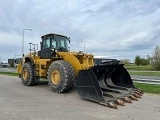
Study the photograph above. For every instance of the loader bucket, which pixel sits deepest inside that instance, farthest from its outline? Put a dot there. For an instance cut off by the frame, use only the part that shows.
(107, 84)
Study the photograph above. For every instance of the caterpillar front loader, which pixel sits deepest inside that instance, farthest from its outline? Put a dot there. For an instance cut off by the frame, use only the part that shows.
(108, 84)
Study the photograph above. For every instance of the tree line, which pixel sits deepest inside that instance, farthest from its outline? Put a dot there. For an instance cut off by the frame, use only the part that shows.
(153, 60)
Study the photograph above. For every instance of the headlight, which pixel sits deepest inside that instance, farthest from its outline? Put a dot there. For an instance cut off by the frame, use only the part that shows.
(80, 53)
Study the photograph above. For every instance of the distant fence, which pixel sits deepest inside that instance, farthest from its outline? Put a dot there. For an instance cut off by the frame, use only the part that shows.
(146, 81)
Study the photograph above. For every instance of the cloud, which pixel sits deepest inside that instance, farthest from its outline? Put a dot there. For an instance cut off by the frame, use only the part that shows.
(112, 28)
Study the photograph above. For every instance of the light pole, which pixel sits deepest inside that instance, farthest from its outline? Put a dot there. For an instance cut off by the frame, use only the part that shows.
(84, 45)
(23, 41)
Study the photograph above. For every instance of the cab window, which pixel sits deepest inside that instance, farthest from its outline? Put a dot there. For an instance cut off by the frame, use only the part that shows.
(46, 43)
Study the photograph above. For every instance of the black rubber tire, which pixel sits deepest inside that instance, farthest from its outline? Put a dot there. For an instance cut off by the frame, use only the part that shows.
(30, 81)
(67, 76)
(36, 80)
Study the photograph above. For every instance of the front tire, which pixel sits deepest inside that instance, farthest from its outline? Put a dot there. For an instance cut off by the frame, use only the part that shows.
(27, 74)
(61, 76)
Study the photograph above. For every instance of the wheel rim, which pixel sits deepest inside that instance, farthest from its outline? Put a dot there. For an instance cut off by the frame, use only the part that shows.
(25, 74)
(55, 77)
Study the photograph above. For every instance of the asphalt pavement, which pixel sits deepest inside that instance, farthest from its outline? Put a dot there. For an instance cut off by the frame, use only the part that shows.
(19, 102)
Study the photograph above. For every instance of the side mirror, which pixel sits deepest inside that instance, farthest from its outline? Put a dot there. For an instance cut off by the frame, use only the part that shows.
(40, 43)
(68, 40)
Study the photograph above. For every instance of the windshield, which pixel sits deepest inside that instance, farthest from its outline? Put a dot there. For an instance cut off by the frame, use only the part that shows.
(59, 41)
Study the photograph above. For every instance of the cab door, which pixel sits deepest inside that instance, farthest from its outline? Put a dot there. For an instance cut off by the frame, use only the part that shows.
(46, 48)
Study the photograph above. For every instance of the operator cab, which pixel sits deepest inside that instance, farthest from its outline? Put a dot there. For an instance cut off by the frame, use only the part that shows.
(52, 43)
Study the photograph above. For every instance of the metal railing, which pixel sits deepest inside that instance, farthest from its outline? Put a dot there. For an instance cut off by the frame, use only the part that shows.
(146, 81)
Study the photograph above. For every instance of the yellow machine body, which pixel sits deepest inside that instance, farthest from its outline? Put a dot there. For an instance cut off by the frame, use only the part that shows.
(79, 61)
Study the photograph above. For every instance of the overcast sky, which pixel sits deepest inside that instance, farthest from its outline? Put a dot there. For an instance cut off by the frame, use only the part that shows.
(118, 29)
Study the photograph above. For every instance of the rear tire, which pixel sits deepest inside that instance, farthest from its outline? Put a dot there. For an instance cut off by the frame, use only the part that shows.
(27, 74)
(61, 76)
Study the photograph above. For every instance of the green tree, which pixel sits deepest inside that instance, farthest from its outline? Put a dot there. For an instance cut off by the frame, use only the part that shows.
(144, 61)
(138, 60)
(155, 59)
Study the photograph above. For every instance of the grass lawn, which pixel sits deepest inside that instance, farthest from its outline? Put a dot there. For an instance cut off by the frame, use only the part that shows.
(141, 70)
(155, 89)
(140, 67)
(9, 73)
(145, 73)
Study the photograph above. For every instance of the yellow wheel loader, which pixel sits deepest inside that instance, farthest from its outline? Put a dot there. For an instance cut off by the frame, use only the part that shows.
(108, 83)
